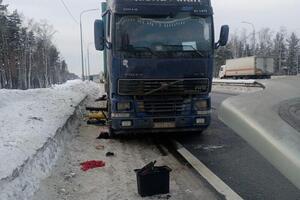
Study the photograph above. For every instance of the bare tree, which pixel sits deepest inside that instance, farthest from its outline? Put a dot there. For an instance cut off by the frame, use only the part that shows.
(28, 57)
(265, 45)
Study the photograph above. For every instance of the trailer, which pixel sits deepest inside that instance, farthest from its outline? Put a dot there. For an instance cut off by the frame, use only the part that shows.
(248, 68)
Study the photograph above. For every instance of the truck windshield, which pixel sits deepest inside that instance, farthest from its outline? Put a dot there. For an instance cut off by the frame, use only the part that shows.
(164, 35)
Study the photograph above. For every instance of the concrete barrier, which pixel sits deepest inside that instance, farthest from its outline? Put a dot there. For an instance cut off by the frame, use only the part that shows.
(269, 121)
(244, 83)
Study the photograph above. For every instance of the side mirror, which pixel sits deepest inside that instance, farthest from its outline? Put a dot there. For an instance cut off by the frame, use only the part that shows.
(99, 35)
(223, 36)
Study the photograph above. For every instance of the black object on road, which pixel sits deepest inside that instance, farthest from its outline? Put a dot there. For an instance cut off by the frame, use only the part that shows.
(103, 135)
(104, 97)
(153, 180)
(95, 109)
(96, 122)
(110, 154)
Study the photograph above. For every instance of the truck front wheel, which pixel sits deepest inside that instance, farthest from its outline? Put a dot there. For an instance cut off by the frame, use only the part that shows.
(111, 132)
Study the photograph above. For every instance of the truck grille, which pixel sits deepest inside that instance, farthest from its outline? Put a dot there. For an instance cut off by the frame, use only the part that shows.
(164, 107)
(160, 87)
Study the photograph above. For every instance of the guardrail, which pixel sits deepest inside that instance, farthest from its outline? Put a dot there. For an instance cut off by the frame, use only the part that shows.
(269, 121)
(241, 83)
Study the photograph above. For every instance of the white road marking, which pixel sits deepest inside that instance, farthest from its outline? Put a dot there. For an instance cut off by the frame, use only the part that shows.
(207, 174)
(209, 147)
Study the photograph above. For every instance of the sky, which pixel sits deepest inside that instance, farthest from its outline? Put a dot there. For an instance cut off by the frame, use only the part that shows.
(261, 13)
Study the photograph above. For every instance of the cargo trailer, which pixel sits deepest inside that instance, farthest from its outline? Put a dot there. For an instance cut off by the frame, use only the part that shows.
(248, 68)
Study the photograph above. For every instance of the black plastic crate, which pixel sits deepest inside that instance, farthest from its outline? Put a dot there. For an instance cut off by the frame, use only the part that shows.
(153, 180)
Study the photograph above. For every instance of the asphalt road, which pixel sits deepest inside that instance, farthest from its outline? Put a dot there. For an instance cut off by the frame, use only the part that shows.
(234, 161)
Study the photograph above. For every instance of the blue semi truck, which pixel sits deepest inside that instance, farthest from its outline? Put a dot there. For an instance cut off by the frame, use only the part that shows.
(158, 64)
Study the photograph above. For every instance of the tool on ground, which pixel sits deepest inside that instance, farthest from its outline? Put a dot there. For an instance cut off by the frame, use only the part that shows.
(99, 147)
(104, 97)
(110, 154)
(103, 135)
(152, 180)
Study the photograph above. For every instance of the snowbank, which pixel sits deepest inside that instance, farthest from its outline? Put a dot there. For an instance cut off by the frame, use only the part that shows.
(247, 81)
(28, 120)
(236, 86)
(232, 89)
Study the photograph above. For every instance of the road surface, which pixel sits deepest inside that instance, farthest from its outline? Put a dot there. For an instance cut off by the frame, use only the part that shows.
(236, 163)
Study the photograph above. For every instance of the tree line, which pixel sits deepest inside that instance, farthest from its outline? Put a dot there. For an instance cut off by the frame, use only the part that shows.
(284, 47)
(28, 56)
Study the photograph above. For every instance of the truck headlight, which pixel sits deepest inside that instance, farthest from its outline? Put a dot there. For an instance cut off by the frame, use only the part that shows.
(120, 115)
(123, 106)
(201, 105)
(200, 121)
(126, 123)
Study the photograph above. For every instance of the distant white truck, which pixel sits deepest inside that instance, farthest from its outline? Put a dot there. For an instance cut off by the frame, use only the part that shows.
(248, 68)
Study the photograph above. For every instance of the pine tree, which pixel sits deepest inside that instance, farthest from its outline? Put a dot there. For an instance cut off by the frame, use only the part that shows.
(293, 50)
(28, 57)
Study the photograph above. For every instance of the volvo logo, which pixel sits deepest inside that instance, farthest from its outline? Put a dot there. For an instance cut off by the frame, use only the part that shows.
(200, 88)
(125, 63)
(164, 84)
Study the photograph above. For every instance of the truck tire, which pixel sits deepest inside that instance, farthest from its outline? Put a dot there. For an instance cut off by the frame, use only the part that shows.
(111, 132)
(110, 129)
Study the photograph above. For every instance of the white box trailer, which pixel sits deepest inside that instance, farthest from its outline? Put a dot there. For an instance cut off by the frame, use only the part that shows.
(249, 67)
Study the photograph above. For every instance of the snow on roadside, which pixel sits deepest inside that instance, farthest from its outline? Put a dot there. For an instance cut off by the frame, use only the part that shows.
(28, 119)
(220, 85)
(235, 89)
(247, 81)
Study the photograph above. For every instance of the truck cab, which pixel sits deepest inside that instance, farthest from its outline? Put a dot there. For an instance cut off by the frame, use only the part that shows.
(222, 72)
(158, 64)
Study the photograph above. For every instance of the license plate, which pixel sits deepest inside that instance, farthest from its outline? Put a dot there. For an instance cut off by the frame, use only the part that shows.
(164, 125)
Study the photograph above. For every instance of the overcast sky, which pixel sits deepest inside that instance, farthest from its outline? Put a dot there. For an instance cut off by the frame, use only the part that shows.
(262, 13)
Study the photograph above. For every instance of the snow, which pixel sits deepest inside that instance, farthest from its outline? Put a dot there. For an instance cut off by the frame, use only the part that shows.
(246, 81)
(235, 89)
(236, 86)
(28, 119)
(117, 180)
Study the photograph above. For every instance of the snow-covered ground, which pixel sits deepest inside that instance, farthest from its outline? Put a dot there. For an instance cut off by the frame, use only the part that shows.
(29, 121)
(234, 89)
(240, 86)
(117, 179)
(246, 81)
(236, 86)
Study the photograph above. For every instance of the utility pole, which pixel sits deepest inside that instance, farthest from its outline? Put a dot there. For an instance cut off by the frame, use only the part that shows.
(81, 39)
(88, 62)
(254, 35)
(88, 58)
(86, 77)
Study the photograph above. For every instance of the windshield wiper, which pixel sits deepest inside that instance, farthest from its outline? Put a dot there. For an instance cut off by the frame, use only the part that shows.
(181, 45)
(133, 48)
(163, 86)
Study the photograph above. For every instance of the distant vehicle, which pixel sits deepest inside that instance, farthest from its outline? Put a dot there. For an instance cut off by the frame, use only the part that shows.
(95, 77)
(248, 68)
(158, 64)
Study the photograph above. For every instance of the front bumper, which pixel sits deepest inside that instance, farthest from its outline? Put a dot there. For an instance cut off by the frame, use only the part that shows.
(149, 124)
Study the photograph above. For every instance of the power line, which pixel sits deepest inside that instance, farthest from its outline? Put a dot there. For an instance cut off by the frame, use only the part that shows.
(69, 12)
